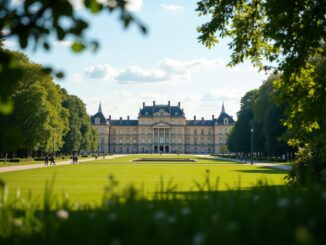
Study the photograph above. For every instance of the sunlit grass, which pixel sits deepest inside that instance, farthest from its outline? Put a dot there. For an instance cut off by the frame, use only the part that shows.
(86, 182)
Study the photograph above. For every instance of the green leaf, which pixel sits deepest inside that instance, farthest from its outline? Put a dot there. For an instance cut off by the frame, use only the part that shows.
(6, 107)
(23, 39)
(93, 6)
(77, 47)
(47, 70)
(60, 75)
(46, 46)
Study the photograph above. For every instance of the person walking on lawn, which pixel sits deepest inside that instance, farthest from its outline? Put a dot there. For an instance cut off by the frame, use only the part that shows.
(46, 163)
(52, 162)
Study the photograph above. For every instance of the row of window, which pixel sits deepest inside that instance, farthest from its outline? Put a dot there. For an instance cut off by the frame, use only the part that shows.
(196, 141)
(173, 131)
(173, 150)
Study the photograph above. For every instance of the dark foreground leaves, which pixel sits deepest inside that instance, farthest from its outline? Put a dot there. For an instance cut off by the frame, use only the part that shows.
(263, 215)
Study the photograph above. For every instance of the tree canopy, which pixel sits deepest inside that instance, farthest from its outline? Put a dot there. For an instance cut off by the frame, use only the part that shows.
(260, 112)
(285, 32)
(39, 23)
(80, 135)
(239, 139)
(46, 117)
(289, 35)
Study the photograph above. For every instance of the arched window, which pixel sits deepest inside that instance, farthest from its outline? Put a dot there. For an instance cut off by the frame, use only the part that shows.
(226, 121)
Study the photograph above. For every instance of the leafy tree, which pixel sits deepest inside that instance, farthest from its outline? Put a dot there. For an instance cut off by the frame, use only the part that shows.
(306, 121)
(285, 32)
(269, 117)
(79, 136)
(39, 119)
(240, 137)
(260, 112)
(289, 34)
(93, 136)
(39, 23)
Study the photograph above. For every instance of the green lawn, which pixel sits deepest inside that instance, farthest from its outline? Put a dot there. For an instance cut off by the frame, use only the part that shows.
(86, 182)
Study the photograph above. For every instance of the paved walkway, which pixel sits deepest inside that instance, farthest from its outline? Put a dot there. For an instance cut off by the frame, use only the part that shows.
(41, 165)
(263, 164)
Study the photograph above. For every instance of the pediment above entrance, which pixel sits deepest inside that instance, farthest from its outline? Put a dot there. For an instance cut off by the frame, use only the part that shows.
(161, 124)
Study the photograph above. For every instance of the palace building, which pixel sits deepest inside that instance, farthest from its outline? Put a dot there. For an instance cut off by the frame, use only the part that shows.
(162, 129)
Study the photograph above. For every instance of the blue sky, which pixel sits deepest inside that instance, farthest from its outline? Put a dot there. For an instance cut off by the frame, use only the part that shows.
(168, 64)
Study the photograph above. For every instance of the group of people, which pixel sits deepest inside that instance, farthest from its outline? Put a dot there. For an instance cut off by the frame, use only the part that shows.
(52, 161)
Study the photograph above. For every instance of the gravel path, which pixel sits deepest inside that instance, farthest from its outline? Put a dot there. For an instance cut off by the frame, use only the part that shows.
(41, 165)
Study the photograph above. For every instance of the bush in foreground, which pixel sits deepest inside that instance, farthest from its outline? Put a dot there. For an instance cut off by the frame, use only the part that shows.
(263, 215)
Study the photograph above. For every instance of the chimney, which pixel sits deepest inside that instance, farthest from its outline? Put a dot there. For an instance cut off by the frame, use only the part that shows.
(169, 103)
(153, 102)
(213, 117)
(128, 118)
(202, 118)
(109, 117)
(179, 104)
(143, 104)
(195, 118)
(120, 118)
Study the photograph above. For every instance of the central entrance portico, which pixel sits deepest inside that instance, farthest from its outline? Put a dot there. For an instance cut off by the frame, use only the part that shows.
(161, 138)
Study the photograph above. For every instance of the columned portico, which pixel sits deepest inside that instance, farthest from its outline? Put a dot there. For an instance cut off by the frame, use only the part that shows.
(161, 140)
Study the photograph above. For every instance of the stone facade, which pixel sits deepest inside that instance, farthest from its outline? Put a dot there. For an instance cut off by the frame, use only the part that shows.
(162, 129)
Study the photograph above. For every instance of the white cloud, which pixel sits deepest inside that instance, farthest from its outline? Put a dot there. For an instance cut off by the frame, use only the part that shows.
(134, 74)
(171, 7)
(63, 43)
(100, 72)
(134, 5)
(168, 70)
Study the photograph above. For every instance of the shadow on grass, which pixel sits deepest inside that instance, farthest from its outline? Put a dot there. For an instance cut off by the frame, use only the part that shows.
(223, 194)
(262, 170)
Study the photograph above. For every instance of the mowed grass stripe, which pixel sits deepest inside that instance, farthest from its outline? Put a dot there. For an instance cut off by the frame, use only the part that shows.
(86, 182)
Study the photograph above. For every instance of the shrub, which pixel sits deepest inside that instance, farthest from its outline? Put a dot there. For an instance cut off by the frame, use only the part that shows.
(15, 160)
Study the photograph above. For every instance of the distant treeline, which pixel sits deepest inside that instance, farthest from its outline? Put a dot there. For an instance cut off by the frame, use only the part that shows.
(259, 112)
(44, 117)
